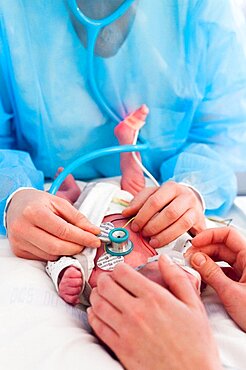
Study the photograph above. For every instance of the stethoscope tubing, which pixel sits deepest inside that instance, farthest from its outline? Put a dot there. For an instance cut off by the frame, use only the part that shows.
(89, 157)
(99, 23)
(93, 27)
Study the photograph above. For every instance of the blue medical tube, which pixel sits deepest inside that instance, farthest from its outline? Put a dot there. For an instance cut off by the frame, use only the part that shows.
(89, 157)
(103, 22)
(100, 100)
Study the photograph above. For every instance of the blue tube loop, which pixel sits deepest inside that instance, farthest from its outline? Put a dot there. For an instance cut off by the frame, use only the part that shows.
(93, 27)
(89, 157)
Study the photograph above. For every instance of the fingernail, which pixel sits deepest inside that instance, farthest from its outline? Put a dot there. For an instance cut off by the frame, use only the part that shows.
(154, 243)
(198, 259)
(88, 310)
(135, 227)
(127, 207)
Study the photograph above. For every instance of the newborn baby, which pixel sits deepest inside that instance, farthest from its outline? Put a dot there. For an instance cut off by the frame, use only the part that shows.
(102, 204)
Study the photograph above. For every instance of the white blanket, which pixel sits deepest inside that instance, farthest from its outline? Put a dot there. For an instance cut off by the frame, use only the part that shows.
(38, 330)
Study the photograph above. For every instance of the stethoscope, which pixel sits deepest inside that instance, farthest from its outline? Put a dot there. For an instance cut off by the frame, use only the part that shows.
(93, 28)
(119, 238)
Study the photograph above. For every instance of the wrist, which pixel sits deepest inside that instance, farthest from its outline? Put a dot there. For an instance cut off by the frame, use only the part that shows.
(197, 193)
(8, 202)
(205, 361)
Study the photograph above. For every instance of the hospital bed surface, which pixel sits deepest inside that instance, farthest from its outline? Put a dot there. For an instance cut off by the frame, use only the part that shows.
(38, 330)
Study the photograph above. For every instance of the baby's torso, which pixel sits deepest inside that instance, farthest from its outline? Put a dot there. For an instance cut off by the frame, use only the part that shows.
(138, 256)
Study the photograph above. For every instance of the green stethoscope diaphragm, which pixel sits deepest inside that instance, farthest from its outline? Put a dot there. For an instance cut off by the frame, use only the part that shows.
(119, 244)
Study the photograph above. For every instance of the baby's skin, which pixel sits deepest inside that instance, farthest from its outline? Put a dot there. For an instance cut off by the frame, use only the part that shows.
(133, 181)
(71, 281)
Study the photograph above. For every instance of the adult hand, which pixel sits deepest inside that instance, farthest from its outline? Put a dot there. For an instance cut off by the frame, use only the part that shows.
(44, 226)
(165, 213)
(150, 327)
(223, 244)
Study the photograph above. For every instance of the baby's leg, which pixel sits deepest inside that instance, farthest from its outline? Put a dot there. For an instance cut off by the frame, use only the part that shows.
(68, 190)
(132, 175)
(70, 285)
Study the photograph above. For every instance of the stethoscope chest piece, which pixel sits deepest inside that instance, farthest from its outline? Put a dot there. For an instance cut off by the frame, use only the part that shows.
(119, 245)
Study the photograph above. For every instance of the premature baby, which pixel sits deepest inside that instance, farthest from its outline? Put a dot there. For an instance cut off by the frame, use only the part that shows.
(102, 204)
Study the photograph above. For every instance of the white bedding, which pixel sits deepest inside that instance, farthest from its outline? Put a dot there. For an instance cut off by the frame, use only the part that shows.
(39, 331)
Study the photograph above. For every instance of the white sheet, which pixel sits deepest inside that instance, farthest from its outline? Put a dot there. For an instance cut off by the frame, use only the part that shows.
(39, 331)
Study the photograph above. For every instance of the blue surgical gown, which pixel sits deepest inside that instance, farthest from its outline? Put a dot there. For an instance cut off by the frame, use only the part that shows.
(185, 59)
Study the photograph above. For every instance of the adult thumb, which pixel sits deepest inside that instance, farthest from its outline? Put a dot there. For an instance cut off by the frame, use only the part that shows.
(210, 272)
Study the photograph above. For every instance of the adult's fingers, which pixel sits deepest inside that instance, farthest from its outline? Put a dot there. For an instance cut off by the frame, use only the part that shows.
(43, 245)
(228, 236)
(181, 208)
(64, 230)
(105, 311)
(69, 213)
(167, 216)
(124, 285)
(218, 252)
(138, 201)
(55, 224)
(110, 290)
(199, 225)
(25, 252)
(211, 273)
(221, 244)
(52, 245)
(135, 283)
(155, 202)
(178, 282)
(103, 331)
(182, 225)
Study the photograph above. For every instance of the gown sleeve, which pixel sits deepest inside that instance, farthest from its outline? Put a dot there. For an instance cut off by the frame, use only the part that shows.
(216, 148)
(16, 167)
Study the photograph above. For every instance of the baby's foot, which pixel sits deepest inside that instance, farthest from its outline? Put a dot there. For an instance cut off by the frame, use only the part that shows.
(69, 189)
(132, 175)
(70, 285)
